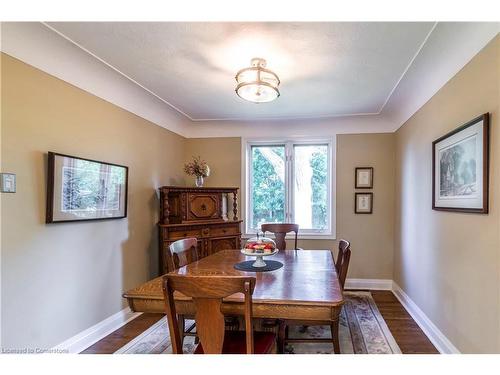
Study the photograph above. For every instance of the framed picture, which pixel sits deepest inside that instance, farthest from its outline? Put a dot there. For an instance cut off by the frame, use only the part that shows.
(460, 168)
(363, 203)
(81, 189)
(364, 178)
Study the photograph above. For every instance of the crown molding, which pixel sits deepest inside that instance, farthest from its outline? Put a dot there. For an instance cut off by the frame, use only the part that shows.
(446, 51)
(277, 118)
(447, 48)
(293, 127)
(37, 45)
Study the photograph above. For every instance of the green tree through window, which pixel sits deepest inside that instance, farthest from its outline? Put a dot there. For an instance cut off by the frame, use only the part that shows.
(268, 185)
(309, 185)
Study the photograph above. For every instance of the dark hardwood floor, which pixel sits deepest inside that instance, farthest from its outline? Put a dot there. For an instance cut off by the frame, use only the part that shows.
(407, 333)
(123, 335)
(410, 338)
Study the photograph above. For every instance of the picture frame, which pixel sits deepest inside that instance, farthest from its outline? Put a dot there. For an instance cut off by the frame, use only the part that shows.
(80, 189)
(460, 168)
(363, 203)
(363, 178)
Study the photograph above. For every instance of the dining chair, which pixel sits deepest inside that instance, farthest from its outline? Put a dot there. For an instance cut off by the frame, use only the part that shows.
(341, 266)
(182, 253)
(207, 293)
(280, 230)
(342, 261)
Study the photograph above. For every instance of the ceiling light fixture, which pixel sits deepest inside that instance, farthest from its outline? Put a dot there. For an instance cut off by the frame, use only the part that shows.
(256, 83)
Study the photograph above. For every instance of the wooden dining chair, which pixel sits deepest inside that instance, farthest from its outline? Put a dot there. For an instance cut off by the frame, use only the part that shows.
(341, 266)
(207, 293)
(280, 230)
(342, 261)
(182, 253)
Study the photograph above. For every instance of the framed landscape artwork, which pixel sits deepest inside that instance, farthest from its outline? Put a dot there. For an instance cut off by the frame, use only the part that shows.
(460, 163)
(363, 178)
(363, 203)
(81, 189)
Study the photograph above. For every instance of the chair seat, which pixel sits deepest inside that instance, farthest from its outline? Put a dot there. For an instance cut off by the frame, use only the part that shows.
(235, 343)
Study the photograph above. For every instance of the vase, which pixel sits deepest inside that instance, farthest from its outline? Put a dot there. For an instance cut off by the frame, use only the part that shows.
(199, 181)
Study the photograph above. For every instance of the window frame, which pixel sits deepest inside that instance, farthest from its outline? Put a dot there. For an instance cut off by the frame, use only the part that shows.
(288, 143)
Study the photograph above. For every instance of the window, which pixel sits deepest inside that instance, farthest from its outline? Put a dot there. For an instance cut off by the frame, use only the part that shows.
(290, 181)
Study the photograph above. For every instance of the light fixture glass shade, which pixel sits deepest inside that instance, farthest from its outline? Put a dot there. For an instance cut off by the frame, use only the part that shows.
(257, 84)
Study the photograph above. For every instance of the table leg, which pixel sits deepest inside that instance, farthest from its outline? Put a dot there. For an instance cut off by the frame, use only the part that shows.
(334, 327)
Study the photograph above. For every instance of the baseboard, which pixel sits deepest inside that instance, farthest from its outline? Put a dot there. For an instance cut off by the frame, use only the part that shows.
(438, 339)
(90, 336)
(370, 284)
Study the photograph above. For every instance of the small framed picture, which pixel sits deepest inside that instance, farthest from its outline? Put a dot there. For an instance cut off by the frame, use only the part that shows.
(363, 203)
(364, 178)
(460, 168)
(81, 189)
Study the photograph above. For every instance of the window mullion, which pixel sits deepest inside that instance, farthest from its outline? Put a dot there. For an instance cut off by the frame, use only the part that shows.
(289, 182)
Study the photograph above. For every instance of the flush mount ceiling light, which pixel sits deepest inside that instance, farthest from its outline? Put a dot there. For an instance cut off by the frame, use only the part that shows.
(256, 83)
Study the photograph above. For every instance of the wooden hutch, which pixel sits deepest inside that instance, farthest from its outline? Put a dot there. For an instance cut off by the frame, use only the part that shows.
(201, 212)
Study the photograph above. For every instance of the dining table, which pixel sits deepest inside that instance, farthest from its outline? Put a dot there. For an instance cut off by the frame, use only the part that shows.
(305, 288)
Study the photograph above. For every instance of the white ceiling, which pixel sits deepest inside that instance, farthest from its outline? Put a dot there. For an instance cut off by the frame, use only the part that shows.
(326, 69)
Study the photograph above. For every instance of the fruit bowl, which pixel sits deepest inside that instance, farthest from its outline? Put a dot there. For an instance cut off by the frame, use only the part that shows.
(259, 247)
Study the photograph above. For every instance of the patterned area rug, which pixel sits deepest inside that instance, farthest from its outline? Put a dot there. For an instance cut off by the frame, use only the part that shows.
(362, 331)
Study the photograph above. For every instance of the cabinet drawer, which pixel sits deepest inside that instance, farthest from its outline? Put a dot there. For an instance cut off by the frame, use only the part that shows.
(224, 231)
(179, 234)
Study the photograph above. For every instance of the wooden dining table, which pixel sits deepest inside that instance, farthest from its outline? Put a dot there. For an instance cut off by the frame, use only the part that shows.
(306, 288)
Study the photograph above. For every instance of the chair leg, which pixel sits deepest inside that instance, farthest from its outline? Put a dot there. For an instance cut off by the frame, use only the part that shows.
(281, 337)
(334, 327)
(181, 321)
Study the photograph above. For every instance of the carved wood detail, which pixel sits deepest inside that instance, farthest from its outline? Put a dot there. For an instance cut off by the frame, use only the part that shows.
(196, 212)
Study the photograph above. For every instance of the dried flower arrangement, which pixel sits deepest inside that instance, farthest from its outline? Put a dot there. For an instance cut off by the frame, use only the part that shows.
(197, 167)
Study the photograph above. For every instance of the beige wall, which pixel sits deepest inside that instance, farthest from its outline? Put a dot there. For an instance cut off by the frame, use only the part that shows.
(448, 263)
(372, 246)
(371, 236)
(60, 279)
(223, 155)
